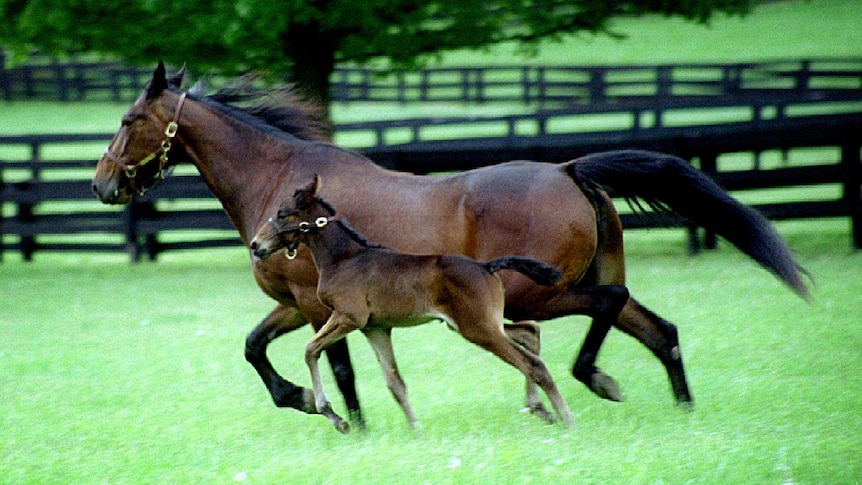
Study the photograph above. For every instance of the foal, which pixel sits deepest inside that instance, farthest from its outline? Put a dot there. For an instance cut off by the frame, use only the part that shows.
(374, 289)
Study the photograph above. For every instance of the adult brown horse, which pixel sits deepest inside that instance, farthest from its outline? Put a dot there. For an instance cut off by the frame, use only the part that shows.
(254, 147)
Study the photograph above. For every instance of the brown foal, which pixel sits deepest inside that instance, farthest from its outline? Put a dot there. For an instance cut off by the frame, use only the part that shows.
(373, 289)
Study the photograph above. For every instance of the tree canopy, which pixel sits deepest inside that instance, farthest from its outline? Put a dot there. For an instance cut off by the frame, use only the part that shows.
(306, 39)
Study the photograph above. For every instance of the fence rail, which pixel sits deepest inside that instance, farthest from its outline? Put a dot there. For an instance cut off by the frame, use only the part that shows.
(47, 204)
(543, 86)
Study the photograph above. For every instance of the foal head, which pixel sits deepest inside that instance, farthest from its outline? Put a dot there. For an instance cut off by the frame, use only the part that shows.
(296, 217)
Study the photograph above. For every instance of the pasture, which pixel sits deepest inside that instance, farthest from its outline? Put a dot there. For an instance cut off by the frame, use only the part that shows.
(118, 373)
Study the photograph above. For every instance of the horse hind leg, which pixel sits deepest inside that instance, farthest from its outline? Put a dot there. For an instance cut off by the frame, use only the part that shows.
(661, 337)
(604, 304)
(381, 341)
(527, 334)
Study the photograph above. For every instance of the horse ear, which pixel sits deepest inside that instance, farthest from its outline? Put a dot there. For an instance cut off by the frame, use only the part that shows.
(177, 79)
(159, 81)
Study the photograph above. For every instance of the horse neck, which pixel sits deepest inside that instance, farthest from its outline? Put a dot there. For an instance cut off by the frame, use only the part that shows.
(331, 244)
(236, 161)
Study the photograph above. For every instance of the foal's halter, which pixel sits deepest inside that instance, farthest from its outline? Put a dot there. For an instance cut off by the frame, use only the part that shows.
(131, 171)
(303, 228)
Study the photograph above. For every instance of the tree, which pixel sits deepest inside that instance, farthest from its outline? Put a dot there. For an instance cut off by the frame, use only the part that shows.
(307, 38)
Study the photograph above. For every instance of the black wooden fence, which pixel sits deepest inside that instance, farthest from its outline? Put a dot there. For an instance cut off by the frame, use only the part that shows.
(47, 204)
(543, 86)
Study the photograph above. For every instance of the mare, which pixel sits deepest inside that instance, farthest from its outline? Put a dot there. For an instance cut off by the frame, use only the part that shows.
(250, 145)
(373, 289)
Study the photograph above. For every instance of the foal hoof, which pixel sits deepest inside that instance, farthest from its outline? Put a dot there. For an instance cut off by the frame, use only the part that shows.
(606, 387)
(342, 426)
(540, 411)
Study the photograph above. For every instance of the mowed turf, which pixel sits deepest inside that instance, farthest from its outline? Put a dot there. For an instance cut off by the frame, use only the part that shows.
(119, 373)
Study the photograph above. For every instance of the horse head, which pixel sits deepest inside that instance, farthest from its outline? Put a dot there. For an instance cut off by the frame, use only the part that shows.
(297, 216)
(141, 154)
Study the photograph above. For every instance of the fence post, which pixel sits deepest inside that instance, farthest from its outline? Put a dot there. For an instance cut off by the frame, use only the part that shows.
(130, 221)
(2, 196)
(850, 158)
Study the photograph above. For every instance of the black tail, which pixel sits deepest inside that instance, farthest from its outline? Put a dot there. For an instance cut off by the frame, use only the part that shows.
(671, 183)
(537, 271)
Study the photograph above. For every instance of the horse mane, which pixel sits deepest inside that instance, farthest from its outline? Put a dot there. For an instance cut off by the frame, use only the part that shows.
(280, 108)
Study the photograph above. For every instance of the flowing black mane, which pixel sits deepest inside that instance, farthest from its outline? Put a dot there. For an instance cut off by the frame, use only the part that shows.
(278, 109)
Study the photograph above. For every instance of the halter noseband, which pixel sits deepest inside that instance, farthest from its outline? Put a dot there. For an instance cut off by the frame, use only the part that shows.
(131, 171)
(304, 228)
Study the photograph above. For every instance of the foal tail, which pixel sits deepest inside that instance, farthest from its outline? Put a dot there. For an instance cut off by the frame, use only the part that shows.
(537, 271)
(669, 183)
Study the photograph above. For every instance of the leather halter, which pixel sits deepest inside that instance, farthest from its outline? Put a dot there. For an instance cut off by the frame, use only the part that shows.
(131, 171)
(303, 227)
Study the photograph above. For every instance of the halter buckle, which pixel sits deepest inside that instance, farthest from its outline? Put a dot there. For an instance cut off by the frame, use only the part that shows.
(171, 129)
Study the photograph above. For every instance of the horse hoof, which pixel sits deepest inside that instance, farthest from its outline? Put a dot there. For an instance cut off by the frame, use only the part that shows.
(605, 387)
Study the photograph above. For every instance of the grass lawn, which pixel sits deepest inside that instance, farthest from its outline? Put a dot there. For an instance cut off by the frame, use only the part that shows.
(119, 373)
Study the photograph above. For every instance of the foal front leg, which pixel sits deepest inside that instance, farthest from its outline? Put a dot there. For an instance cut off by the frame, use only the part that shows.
(381, 341)
(527, 334)
(336, 328)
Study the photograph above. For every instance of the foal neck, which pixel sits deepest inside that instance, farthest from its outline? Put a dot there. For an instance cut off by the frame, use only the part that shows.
(333, 243)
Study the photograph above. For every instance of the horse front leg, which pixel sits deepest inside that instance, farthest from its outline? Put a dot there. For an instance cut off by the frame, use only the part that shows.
(284, 319)
(281, 320)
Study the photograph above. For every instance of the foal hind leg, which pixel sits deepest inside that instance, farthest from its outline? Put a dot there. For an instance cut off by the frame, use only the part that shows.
(527, 334)
(381, 341)
(489, 336)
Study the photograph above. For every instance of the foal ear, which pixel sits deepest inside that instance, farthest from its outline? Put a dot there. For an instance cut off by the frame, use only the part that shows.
(304, 196)
(314, 186)
(158, 83)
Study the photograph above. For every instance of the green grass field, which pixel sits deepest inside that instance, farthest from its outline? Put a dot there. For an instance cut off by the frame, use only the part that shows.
(118, 373)
(129, 374)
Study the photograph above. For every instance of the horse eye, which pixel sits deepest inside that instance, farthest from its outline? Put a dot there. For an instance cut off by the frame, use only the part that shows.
(126, 122)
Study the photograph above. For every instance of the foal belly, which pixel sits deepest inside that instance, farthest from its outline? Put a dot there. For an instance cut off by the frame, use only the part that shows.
(403, 321)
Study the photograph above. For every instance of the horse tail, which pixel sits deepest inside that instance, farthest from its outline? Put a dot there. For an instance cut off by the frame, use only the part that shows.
(537, 271)
(669, 183)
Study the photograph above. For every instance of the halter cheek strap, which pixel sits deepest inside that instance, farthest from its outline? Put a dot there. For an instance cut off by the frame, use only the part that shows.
(131, 171)
(304, 228)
